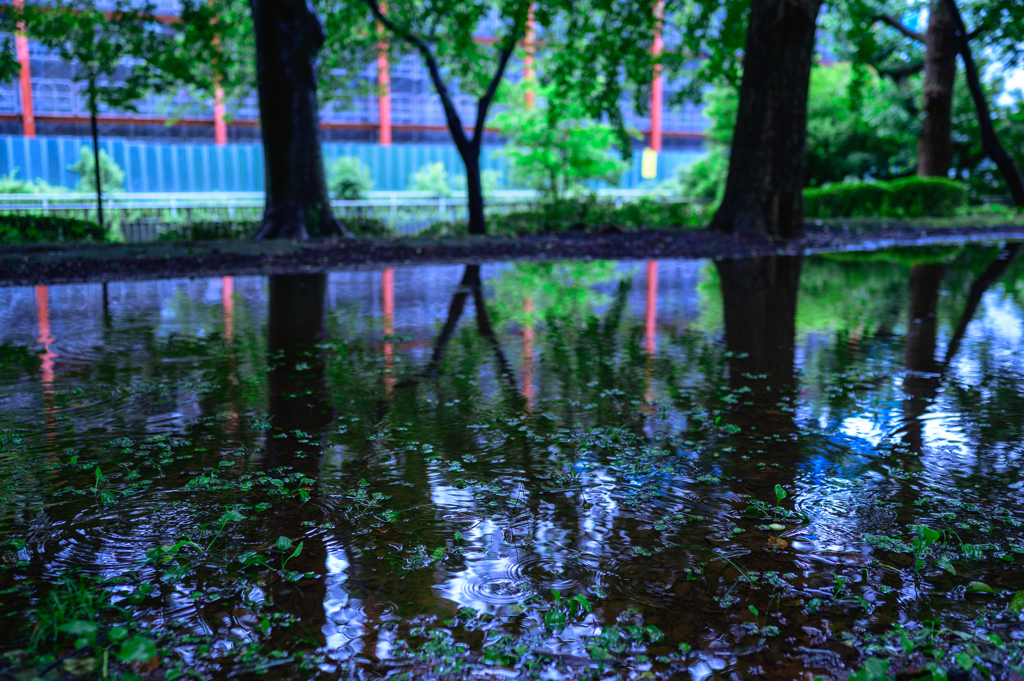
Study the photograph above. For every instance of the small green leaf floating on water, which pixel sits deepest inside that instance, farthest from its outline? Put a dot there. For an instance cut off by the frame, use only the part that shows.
(137, 649)
(980, 588)
(1017, 603)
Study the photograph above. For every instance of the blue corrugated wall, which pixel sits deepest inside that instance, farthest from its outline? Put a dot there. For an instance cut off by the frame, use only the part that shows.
(188, 167)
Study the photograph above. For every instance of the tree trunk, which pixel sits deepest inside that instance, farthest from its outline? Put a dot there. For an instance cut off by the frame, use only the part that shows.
(96, 154)
(474, 190)
(764, 192)
(990, 141)
(935, 145)
(288, 36)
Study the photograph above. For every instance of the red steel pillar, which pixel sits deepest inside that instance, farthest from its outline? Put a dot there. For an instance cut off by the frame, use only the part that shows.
(220, 126)
(383, 87)
(657, 94)
(530, 43)
(28, 118)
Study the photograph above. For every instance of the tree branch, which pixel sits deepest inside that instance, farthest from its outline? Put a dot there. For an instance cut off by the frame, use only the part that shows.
(989, 139)
(484, 102)
(450, 112)
(897, 73)
(893, 22)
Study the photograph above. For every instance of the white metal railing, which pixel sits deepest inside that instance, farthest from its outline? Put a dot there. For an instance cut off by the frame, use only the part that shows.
(144, 216)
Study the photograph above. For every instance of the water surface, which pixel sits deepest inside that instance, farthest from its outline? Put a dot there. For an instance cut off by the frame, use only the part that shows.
(661, 469)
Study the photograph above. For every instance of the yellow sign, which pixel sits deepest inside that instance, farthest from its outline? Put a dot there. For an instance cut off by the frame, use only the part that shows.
(649, 164)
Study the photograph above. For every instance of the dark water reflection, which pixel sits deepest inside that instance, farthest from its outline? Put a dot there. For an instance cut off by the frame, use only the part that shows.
(414, 471)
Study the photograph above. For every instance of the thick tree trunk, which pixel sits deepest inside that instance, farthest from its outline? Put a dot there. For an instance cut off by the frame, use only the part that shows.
(474, 190)
(288, 36)
(764, 192)
(935, 145)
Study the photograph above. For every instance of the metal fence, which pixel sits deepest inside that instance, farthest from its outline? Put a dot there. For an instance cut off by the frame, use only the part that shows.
(144, 216)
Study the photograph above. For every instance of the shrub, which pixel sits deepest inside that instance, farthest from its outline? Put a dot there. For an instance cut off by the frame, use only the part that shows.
(111, 174)
(10, 184)
(27, 228)
(349, 179)
(432, 178)
(208, 231)
(919, 197)
(911, 197)
(848, 200)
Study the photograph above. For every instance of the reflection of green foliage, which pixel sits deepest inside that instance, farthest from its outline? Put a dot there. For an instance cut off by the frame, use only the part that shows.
(16, 360)
(563, 290)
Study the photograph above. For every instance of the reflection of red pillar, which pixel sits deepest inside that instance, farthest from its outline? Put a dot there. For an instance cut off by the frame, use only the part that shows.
(227, 307)
(528, 390)
(220, 126)
(530, 43)
(28, 118)
(650, 329)
(47, 364)
(651, 308)
(656, 85)
(383, 87)
(387, 286)
(227, 301)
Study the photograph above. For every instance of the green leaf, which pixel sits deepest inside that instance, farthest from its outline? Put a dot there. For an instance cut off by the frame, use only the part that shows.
(946, 565)
(79, 628)
(1017, 603)
(283, 543)
(965, 661)
(780, 493)
(297, 551)
(980, 588)
(231, 516)
(137, 649)
(753, 610)
(555, 619)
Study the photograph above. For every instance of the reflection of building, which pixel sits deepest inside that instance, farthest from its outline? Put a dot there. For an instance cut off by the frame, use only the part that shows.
(60, 108)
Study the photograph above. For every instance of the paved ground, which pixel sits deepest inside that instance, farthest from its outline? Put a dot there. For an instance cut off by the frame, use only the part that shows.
(70, 263)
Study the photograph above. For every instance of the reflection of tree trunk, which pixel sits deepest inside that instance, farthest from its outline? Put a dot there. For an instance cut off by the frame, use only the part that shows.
(470, 279)
(923, 372)
(299, 416)
(288, 36)
(486, 331)
(764, 192)
(996, 269)
(759, 298)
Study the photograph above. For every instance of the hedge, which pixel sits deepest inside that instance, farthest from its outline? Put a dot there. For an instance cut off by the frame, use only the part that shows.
(910, 197)
(591, 213)
(209, 231)
(19, 228)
